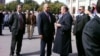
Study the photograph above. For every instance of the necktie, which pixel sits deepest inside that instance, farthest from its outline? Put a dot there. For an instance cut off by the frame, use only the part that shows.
(48, 16)
(21, 21)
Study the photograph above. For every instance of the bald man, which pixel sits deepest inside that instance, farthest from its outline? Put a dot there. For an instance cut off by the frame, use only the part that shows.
(46, 29)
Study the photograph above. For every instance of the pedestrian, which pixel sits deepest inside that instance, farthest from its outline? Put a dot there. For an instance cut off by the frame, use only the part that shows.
(6, 19)
(46, 30)
(17, 22)
(62, 42)
(80, 22)
(91, 35)
(28, 22)
(32, 23)
(1, 21)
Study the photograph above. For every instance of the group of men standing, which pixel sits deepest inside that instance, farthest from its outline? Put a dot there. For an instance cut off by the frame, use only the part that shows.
(87, 34)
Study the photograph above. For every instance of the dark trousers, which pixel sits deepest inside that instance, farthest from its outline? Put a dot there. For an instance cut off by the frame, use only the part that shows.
(43, 45)
(0, 29)
(79, 44)
(16, 42)
(63, 55)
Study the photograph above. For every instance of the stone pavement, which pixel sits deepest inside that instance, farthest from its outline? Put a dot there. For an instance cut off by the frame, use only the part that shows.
(29, 47)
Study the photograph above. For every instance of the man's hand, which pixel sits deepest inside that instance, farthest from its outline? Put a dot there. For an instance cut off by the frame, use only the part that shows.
(57, 25)
(41, 36)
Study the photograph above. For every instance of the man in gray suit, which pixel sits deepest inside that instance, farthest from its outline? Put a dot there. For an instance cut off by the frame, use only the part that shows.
(91, 35)
(17, 22)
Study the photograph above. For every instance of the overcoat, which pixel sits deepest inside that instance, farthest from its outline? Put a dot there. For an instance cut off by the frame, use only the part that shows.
(62, 43)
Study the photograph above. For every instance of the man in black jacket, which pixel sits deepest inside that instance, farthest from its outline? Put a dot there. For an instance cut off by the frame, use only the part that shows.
(80, 22)
(46, 29)
(91, 35)
(1, 21)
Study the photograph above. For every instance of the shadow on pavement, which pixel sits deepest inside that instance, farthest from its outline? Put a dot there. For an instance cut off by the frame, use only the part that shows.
(33, 37)
(73, 54)
(6, 35)
(32, 53)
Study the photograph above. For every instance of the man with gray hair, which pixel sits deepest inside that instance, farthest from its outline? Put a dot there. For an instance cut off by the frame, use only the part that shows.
(62, 43)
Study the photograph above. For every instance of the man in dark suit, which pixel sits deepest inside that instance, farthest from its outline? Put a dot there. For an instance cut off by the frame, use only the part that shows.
(1, 21)
(80, 22)
(91, 35)
(62, 43)
(46, 29)
(17, 22)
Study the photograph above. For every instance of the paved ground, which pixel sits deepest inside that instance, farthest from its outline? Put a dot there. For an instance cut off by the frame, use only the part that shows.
(29, 47)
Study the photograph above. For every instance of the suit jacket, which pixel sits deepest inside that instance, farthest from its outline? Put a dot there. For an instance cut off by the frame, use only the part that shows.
(91, 37)
(80, 23)
(46, 26)
(62, 43)
(32, 19)
(15, 23)
(1, 18)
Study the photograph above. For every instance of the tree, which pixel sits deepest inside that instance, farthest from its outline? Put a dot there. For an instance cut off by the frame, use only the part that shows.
(30, 6)
(27, 1)
(26, 7)
(12, 5)
(55, 7)
(2, 7)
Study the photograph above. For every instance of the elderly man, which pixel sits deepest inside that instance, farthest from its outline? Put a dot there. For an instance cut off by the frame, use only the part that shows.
(62, 43)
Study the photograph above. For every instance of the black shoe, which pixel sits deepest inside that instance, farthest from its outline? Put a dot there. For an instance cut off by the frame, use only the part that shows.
(11, 55)
(18, 55)
(1, 34)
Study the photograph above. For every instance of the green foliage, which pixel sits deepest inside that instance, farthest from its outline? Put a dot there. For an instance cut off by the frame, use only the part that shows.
(33, 5)
(2, 7)
(30, 6)
(55, 7)
(26, 7)
(12, 5)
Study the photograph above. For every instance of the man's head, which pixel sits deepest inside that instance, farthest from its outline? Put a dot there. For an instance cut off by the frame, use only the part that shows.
(32, 12)
(27, 11)
(64, 9)
(98, 6)
(46, 7)
(19, 8)
(81, 9)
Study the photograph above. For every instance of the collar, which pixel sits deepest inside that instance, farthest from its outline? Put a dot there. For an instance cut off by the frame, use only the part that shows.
(18, 13)
(81, 14)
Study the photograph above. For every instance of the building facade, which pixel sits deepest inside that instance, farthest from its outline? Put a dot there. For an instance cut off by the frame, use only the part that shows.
(74, 4)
